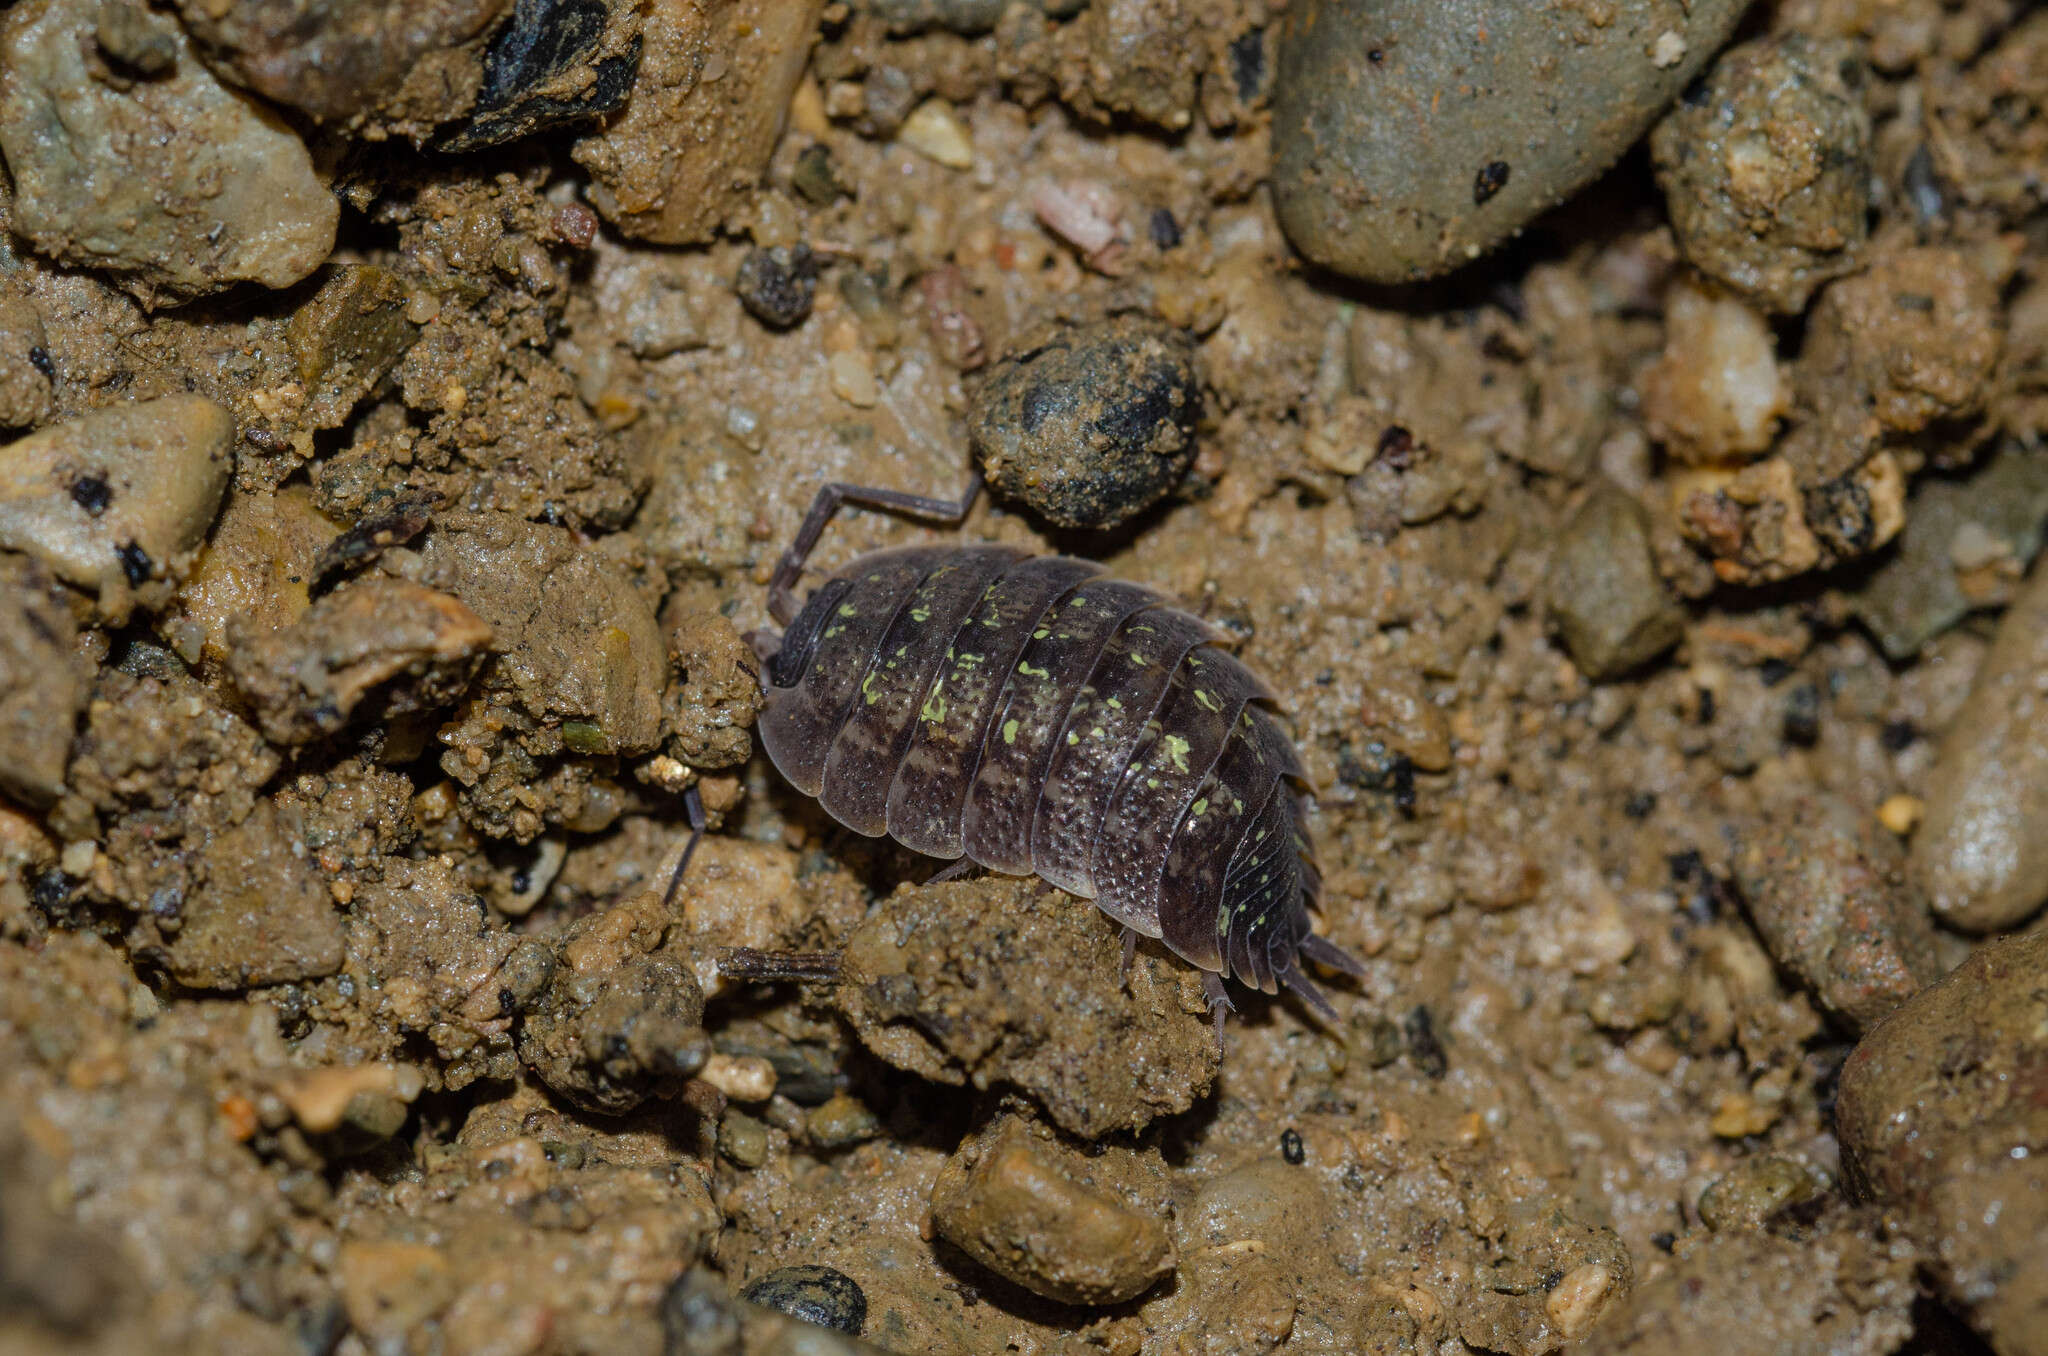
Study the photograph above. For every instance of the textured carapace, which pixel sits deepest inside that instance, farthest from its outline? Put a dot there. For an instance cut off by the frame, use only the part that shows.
(1034, 716)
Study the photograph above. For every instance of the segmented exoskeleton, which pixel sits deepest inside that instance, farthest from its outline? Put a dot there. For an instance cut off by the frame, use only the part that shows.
(1030, 715)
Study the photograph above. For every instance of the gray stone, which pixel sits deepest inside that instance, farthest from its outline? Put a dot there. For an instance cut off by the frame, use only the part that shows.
(177, 184)
(1410, 136)
(1605, 597)
(118, 498)
(1936, 577)
(1982, 851)
(40, 689)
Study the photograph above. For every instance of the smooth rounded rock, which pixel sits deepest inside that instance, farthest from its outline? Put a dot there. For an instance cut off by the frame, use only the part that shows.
(118, 497)
(825, 1296)
(1410, 136)
(1982, 851)
(1073, 1229)
(1092, 424)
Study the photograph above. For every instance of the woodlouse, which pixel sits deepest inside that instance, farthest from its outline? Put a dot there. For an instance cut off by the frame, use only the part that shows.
(1031, 715)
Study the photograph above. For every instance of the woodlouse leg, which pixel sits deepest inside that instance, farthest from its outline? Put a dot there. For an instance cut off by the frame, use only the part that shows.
(952, 870)
(1219, 1002)
(782, 602)
(1123, 971)
(693, 806)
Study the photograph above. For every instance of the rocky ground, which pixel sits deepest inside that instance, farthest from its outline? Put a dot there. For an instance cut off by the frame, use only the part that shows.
(1618, 430)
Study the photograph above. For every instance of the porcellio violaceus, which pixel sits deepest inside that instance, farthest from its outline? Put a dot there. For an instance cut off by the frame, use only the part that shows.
(1033, 716)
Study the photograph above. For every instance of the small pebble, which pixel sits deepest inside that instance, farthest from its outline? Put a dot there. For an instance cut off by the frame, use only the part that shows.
(1605, 597)
(1901, 813)
(1766, 169)
(1291, 1147)
(816, 178)
(744, 1078)
(822, 1295)
(1717, 393)
(777, 285)
(839, 1121)
(1828, 898)
(321, 1098)
(1576, 1302)
(742, 1139)
(853, 378)
(1754, 1190)
(933, 131)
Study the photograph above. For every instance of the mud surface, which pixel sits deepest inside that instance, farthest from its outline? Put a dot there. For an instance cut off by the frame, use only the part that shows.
(404, 413)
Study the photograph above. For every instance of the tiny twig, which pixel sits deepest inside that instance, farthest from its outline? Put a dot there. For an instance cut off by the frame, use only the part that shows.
(747, 963)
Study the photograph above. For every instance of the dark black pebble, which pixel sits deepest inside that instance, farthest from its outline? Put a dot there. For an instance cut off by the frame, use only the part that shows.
(1163, 229)
(816, 177)
(822, 1295)
(1291, 1147)
(1090, 424)
(92, 493)
(533, 57)
(135, 563)
(1802, 714)
(777, 285)
(1491, 179)
(1424, 1047)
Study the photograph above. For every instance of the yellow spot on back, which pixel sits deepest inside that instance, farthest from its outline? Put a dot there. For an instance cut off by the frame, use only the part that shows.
(1177, 750)
(848, 610)
(1009, 732)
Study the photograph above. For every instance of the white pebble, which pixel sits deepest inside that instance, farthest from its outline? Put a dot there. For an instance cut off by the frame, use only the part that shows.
(744, 1078)
(933, 131)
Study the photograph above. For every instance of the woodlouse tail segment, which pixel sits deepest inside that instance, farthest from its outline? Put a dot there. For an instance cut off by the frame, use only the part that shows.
(1325, 952)
(1305, 989)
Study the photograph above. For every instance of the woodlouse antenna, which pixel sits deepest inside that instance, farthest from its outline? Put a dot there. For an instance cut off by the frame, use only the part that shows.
(782, 603)
(693, 806)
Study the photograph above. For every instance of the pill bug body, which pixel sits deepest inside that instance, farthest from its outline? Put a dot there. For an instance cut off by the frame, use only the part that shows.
(1031, 715)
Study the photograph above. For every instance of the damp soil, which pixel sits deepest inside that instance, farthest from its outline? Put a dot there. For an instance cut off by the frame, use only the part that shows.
(1636, 596)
